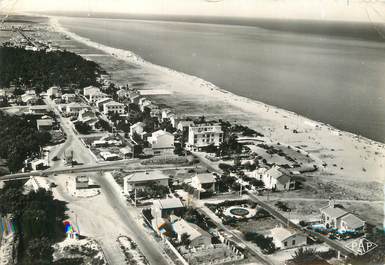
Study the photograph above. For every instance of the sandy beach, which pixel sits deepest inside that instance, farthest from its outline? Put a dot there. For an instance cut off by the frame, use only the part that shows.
(348, 156)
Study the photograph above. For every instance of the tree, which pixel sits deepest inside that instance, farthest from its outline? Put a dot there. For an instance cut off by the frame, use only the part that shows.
(39, 251)
(20, 139)
(82, 127)
(302, 255)
(185, 239)
(41, 69)
(264, 243)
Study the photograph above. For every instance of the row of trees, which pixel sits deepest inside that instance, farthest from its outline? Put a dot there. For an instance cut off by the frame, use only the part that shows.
(20, 139)
(39, 222)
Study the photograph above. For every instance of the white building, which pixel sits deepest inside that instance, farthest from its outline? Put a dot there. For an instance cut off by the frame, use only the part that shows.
(38, 109)
(35, 183)
(165, 207)
(44, 124)
(197, 236)
(74, 108)
(53, 91)
(99, 104)
(184, 125)
(89, 117)
(201, 135)
(29, 99)
(68, 97)
(332, 216)
(114, 107)
(162, 142)
(284, 238)
(87, 91)
(139, 180)
(203, 182)
(94, 97)
(107, 156)
(276, 180)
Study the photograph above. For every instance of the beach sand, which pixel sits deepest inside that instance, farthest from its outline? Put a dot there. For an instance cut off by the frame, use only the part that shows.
(347, 156)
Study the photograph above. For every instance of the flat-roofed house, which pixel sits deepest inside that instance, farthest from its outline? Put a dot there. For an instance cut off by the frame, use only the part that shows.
(284, 238)
(108, 156)
(161, 142)
(184, 125)
(113, 107)
(94, 97)
(53, 91)
(38, 109)
(139, 180)
(29, 99)
(87, 91)
(332, 216)
(74, 108)
(164, 208)
(203, 182)
(275, 179)
(197, 236)
(99, 104)
(68, 97)
(44, 124)
(202, 135)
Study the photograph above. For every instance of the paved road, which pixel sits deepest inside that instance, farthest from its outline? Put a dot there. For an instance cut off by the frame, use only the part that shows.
(131, 167)
(111, 192)
(130, 216)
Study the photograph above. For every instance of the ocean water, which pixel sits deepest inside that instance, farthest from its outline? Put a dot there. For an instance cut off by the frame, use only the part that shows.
(336, 78)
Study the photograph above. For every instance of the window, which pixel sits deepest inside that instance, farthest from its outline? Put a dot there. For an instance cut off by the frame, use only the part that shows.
(285, 244)
(293, 242)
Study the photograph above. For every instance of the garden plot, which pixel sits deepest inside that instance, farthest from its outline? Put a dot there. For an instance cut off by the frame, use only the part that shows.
(84, 251)
(243, 215)
(133, 254)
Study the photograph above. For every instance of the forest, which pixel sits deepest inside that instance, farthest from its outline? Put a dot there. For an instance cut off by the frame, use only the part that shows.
(41, 69)
(38, 219)
(20, 139)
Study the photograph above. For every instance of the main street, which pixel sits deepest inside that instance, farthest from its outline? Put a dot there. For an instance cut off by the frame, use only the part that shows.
(111, 203)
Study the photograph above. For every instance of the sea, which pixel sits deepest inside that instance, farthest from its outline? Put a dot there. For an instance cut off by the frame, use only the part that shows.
(333, 72)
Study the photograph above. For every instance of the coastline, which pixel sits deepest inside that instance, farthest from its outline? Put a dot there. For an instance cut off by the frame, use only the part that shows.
(319, 139)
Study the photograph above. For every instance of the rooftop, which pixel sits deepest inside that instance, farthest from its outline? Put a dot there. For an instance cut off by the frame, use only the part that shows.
(205, 178)
(46, 122)
(82, 179)
(182, 226)
(170, 203)
(160, 133)
(280, 233)
(352, 221)
(334, 212)
(146, 176)
(113, 103)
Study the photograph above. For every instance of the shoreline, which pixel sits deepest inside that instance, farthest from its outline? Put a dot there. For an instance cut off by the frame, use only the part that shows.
(131, 57)
(271, 114)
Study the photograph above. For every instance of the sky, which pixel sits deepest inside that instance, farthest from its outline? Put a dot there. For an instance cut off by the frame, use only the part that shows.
(352, 10)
